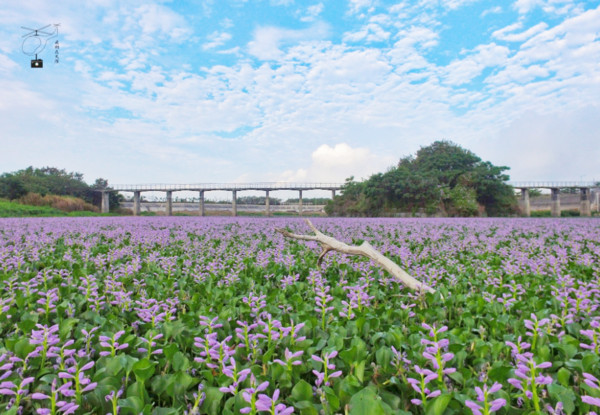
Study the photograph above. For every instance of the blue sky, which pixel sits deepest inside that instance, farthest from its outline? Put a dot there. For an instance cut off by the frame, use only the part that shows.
(288, 90)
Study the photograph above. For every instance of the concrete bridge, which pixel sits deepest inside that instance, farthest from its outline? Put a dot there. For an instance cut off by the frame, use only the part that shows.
(201, 188)
(585, 205)
(524, 202)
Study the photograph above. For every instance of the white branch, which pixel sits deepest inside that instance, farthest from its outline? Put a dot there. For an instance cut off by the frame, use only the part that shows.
(365, 249)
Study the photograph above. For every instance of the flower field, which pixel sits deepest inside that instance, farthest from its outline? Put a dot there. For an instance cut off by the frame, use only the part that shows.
(223, 315)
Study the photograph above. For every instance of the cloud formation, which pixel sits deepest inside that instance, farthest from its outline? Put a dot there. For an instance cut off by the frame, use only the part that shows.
(158, 92)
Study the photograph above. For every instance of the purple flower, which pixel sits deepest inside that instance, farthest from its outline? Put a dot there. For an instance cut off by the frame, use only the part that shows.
(290, 359)
(482, 396)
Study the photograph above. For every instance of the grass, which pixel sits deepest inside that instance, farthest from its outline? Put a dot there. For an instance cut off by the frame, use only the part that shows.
(13, 209)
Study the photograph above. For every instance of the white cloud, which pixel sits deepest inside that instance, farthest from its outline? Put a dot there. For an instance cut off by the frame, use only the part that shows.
(357, 6)
(464, 70)
(371, 32)
(505, 32)
(338, 162)
(216, 39)
(492, 10)
(559, 7)
(267, 40)
(312, 12)
(154, 18)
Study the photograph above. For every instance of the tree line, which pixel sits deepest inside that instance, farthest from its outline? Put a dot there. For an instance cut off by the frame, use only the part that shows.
(53, 181)
(441, 179)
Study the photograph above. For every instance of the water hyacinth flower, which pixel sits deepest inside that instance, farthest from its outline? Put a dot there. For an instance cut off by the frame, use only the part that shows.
(322, 299)
(290, 359)
(17, 392)
(113, 398)
(269, 404)
(89, 335)
(82, 382)
(198, 401)
(231, 372)
(593, 335)
(535, 328)
(112, 344)
(250, 393)
(434, 351)
(420, 385)
(482, 396)
(529, 379)
(56, 405)
(47, 302)
(294, 331)
(45, 337)
(150, 343)
(593, 383)
(325, 377)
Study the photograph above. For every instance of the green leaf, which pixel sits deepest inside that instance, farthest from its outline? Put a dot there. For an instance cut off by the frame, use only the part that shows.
(302, 391)
(565, 395)
(180, 362)
(164, 411)
(212, 403)
(170, 350)
(23, 348)
(66, 326)
(500, 374)
(438, 405)
(143, 369)
(563, 375)
(359, 370)
(384, 356)
(366, 402)
(588, 361)
(132, 404)
(332, 399)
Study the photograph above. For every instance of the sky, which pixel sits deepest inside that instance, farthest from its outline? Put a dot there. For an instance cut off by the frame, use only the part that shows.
(229, 91)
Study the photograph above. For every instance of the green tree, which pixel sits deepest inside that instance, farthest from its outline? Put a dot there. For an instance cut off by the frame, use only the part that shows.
(11, 187)
(440, 177)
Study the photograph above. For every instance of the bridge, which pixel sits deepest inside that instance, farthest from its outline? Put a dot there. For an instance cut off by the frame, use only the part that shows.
(585, 208)
(201, 188)
(524, 203)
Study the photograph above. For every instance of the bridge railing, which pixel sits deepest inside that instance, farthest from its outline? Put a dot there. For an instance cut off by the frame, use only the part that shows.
(224, 186)
(552, 184)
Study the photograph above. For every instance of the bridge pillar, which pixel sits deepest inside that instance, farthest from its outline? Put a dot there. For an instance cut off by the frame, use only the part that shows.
(234, 203)
(555, 202)
(169, 203)
(524, 204)
(333, 194)
(201, 204)
(299, 202)
(267, 204)
(585, 208)
(105, 206)
(136, 203)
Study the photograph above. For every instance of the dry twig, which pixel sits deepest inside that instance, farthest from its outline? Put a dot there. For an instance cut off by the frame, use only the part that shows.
(365, 249)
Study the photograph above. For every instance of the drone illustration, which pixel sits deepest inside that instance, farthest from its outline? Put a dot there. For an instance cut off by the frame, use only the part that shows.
(35, 42)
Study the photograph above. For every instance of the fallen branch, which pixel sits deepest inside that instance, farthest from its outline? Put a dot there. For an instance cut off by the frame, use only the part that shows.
(365, 249)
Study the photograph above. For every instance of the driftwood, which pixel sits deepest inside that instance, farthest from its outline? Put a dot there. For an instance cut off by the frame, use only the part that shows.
(365, 249)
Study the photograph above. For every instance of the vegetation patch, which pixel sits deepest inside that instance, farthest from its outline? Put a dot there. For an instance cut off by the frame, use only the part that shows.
(173, 315)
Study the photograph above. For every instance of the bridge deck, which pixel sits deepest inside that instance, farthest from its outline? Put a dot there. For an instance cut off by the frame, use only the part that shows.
(552, 185)
(161, 187)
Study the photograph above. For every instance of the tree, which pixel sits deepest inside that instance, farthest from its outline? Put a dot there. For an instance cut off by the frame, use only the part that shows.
(442, 177)
(11, 187)
(53, 181)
